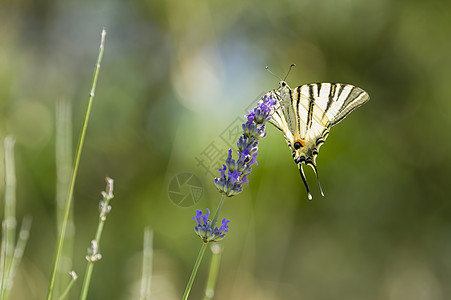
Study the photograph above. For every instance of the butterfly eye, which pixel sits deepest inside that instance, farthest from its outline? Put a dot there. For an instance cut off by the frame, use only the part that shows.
(283, 83)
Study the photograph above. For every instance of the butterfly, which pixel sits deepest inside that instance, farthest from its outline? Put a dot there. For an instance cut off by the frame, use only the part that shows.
(306, 113)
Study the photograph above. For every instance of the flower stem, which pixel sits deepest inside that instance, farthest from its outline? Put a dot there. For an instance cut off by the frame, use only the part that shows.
(59, 244)
(24, 234)
(64, 165)
(9, 215)
(215, 217)
(213, 274)
(69, 286)
(202, 251)
(94, 255)
(147, 264)
(194, 272)
(3, 261)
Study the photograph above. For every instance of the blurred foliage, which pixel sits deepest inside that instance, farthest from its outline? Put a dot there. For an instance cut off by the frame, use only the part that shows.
(175, 75)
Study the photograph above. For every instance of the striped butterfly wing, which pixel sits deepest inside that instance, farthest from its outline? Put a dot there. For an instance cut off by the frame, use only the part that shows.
(308, 110)
(284, 117)
(336, 100)
(325, 104)
(306, 113)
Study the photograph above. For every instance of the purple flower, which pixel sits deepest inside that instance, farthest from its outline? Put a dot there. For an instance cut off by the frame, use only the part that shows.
(230, 162)
(205, 217)
(223, 171)
(234, 176)
(254, 159)
(244, 179)
(250, 116)
(262, 113)
(230, 182)
(205, 230)
(198, 216)
(224, 226)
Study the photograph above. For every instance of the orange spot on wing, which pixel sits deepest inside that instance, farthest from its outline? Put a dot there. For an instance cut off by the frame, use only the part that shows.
(302, 142)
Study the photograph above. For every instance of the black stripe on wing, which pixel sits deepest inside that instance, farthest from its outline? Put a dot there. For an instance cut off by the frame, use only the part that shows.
(356, 97)
(310, 107)
(331, 97)
(297, 105)
(275, 121)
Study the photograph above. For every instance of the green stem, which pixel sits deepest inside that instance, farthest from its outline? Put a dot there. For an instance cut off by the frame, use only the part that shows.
(94, 256)
(3, 261)
(147, 264)
(193, 273)
(69, 286)
(59, 244)
(202, 251)
(10, 213)
(24, 234)
(87, 280)
(215, 217)
(63, 164)
(213, 274)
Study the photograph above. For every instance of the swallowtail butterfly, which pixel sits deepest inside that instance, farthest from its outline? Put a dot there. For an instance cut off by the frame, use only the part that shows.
(306, 113)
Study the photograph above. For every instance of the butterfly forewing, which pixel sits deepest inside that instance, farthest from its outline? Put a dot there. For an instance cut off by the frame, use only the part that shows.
(284, 119)
(313, 120)
(348, 100)
(333, 100)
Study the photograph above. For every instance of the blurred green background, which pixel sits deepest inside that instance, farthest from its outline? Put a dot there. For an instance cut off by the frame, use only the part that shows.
(175, 77)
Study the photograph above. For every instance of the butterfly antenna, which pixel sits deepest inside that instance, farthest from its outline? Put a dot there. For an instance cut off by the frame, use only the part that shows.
(301, 171)
(292, 65)
(267, 69)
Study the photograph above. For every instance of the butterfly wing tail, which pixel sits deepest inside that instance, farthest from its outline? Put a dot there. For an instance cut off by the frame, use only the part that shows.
(317, 178)
(301, 171)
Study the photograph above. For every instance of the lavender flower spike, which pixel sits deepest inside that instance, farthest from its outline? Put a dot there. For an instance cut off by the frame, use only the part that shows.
(205, 230)
(235, 172)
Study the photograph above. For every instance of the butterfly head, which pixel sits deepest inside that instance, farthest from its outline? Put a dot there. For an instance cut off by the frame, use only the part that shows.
(284, 90)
